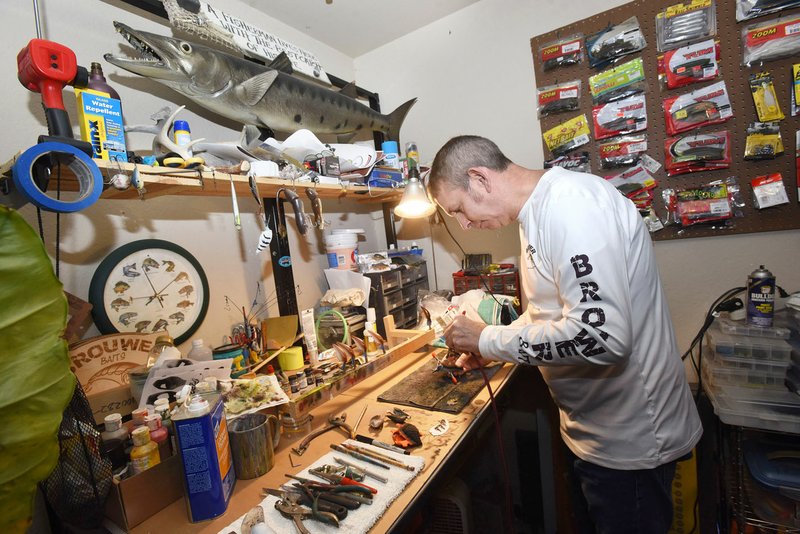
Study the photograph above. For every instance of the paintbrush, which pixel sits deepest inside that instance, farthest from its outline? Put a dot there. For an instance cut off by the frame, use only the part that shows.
(377, 456)
(358, 456)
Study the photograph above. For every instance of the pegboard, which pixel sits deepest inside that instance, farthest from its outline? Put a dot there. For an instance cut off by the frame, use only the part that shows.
(736, 77)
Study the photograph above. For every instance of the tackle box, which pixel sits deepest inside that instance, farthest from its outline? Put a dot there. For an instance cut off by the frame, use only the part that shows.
(749, 378)
(752, 366)
(740, 328)
(755, 348)
(754, 414)
(772, 479)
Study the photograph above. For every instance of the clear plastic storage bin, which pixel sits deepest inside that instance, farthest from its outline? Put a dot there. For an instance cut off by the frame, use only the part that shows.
(756, 348)
(739, 328)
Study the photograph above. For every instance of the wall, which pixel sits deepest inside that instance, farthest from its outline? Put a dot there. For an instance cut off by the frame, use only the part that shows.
(473, 73)
(201, 225)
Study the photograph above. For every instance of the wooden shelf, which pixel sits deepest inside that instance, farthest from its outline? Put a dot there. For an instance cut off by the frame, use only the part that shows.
(160, 181)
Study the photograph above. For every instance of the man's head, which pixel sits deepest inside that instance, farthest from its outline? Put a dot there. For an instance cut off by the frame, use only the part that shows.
(464, 173)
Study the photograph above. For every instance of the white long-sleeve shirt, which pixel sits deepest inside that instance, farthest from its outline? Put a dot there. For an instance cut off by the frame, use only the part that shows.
(598, 326)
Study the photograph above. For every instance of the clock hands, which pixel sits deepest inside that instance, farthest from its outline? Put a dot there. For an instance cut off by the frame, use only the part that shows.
(156, 294)
(180, 276)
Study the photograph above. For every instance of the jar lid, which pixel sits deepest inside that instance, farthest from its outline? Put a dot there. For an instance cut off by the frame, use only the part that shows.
(153, 421)
(197, 404)
(161, 400)
(113, 418)
(165, 339)
(140, 436)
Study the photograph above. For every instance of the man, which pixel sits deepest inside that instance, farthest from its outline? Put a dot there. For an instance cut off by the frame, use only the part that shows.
(597, 326)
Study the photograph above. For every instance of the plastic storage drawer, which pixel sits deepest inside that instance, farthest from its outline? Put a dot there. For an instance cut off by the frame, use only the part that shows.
(738, 328)
(756, 348)
(753, 415)
(762, 367)
(742, 378)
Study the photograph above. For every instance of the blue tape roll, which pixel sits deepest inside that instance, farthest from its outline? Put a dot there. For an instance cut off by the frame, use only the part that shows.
(85, 170)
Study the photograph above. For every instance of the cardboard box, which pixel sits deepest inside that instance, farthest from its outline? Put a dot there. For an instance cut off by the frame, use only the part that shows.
(102, 364)
(135, 499)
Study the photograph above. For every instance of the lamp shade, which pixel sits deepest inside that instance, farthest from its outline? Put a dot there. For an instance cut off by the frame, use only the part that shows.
(415, 202)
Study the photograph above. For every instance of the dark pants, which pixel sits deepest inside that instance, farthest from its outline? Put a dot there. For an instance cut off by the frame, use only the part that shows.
(613, 501)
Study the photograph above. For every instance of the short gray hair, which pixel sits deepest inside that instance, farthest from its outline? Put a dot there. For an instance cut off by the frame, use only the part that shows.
(460, 154)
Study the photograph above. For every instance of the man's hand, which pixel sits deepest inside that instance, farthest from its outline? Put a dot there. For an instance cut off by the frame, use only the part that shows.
(469, 361)
(462, 334)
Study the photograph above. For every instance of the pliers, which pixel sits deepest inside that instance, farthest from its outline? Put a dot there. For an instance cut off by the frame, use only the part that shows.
(303, 498)
(338, 479)
(333, 422)
(288, 507)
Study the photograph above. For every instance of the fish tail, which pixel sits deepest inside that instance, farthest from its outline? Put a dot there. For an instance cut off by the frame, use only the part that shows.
(397, 117)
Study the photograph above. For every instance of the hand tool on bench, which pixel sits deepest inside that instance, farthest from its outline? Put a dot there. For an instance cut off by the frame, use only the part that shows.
(333, 422)
(289, 508)
(338, 510)
(338, 479)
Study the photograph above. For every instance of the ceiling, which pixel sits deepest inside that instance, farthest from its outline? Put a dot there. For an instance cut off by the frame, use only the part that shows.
(356, 27)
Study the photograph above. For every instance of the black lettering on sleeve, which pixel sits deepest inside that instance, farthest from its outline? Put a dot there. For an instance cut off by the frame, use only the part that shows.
(589, 290)
(566, 348)
(581, 265)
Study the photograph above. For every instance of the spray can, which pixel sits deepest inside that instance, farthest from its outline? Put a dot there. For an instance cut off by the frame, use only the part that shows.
(760, 297)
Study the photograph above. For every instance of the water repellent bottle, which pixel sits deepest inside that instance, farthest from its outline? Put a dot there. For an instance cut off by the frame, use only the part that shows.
(97, 81)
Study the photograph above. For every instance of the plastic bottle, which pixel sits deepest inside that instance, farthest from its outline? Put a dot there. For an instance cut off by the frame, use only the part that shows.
(199, 352)
(162, 408)
(391, 154)
(370, 343)
(114, 440)
(182, 134)
(159, 435)
(97, 81)
(163, 345)
(138, 417)
(144, 454)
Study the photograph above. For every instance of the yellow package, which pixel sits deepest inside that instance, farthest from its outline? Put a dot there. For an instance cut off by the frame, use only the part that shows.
(568, 135)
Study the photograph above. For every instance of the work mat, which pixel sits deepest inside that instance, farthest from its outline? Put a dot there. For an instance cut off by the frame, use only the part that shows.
(431, 390)
(358, 521)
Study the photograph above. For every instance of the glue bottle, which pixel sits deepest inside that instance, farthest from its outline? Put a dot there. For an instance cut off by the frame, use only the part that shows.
(182, 134)
(144, 454)
(370, 343)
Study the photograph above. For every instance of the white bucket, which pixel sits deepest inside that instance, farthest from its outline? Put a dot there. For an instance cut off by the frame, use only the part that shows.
(341, 249)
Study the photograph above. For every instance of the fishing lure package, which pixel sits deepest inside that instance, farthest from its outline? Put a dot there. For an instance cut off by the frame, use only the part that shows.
(764, 97)
(795, 89)
(558, 98)
(621, 117)
(636, 184)
(708, 105)
(567, 136)
(763, 141)
(749, 9)
(618, 82)
(681, 24)
(561, 52)
(771, 39)
(717, 202)
(607, 45)
(697, 152)
(694, 63)
(622, 151)
(578, 162)
(769, 190)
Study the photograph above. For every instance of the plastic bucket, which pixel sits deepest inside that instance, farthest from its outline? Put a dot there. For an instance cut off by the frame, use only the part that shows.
(341, 250)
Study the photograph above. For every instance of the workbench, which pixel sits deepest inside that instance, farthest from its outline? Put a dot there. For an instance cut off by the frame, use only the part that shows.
(438, 452)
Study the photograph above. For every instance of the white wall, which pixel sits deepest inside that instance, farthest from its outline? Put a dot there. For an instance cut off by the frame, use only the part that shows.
(201, 225)
(473, 73)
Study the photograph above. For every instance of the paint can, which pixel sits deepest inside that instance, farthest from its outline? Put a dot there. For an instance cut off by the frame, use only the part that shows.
(208, 474)
(760, 297)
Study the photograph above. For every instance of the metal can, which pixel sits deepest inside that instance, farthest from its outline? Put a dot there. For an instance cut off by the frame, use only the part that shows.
(760, 297)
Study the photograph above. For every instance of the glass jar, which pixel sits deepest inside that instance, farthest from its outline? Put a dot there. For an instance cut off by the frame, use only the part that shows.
(162, 344)
(293, 428)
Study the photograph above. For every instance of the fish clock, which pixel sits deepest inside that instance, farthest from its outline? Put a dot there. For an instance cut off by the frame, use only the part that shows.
(149, 286)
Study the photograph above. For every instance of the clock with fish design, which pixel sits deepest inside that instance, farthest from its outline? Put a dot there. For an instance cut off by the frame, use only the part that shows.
(149, 286)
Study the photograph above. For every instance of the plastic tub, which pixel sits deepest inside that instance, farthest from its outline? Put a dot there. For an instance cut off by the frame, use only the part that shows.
(341, 249)
(740, 328)
(756, 348)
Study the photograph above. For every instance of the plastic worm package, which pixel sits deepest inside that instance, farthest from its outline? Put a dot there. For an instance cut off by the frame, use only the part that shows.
(771, 39)
(622, 151)
(616, 41)
(697, 152)
(617, 83)
(764, 141)
(622, 117)
(558, 98)
(562, 52)
(567, 136)
(577, 161)
(681, 24)
(707, 105)
(748, 9)
(690, 64)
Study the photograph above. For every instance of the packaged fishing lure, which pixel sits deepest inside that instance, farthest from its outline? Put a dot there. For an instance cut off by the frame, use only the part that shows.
(618, 82)
(694, 63)
(708, 105)
(764, 97)
(681, 24)
(559, 98)
(615, 41)
(567, 136)
(763, 141)
(715, 202)
(771, 39)
(635, 183)
(562, 52)
(621, 117)
(622, 151)
(769, 190)
(795, 89)
(748, 9)
(578, 162)
(697, 152)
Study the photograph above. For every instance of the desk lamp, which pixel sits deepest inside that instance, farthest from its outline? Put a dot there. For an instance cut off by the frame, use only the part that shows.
(415, 203)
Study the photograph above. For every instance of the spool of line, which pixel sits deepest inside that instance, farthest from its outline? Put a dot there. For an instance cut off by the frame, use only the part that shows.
(90, 181)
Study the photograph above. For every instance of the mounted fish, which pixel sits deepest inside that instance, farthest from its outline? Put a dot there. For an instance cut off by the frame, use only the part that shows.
(251, 93)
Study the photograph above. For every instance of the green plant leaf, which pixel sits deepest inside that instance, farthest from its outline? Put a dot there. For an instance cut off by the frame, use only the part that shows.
(35, 381)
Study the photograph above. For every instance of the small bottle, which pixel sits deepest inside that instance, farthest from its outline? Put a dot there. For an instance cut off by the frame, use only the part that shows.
(138, 417)
(163, 344)
(97, 81)
(144, 454)
(370, 343)
(158, 435)
(199, 352)
(182, 134)
(162, 408)
(114, 440)
(301, 381)
(412, 155)
(309, 377)
(294, 385)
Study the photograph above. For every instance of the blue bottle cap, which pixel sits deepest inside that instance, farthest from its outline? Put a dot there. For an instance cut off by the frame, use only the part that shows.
(181, 126)
(390, 147)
